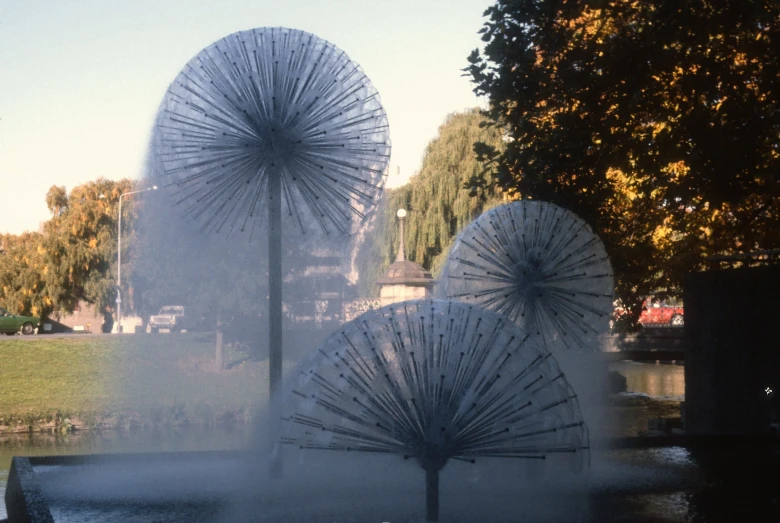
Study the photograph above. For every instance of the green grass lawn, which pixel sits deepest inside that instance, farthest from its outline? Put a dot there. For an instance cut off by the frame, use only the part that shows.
(141, 373)
(54, 373)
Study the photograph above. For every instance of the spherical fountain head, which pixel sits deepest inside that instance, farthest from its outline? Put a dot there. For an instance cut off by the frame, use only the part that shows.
(539, 265)
(273, 115)
(433, 381)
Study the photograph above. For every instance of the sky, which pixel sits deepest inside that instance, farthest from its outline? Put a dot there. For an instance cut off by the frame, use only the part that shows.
(80, 80)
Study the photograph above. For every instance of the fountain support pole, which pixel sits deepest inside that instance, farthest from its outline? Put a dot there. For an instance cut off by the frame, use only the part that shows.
(274, 305)
(432, 494)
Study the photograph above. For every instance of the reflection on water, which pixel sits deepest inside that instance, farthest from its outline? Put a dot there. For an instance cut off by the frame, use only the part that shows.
(659, 380)
(716, 485)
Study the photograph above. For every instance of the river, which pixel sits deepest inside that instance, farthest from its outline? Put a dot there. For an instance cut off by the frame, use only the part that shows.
(657, 380)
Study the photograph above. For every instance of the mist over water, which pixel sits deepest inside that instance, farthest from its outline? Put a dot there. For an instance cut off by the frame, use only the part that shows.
(224, 277)
(357, 488)
(222, 281)
(180, 265)
(323, 486)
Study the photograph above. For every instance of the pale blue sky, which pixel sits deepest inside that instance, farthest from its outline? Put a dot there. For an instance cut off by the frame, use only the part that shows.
(80, 80)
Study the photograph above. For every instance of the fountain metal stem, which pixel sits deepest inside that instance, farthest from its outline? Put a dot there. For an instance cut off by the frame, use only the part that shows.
(432, 494)
(275, 303)
(434, 454)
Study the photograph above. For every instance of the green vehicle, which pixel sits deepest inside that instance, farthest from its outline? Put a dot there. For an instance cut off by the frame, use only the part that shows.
(11, 324)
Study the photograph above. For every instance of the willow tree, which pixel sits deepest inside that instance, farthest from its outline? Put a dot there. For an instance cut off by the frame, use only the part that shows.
(656, 122)
(438, 198)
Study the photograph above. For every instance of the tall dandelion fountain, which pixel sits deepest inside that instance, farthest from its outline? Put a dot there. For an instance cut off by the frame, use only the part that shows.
(434, 381)
(275, 129)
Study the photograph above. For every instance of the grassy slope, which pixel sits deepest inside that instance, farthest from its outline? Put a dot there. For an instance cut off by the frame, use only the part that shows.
(76, 375)
(64, 374)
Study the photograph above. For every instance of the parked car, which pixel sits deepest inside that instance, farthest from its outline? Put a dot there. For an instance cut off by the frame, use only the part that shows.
(657, 312)
(11, 323)
(170, 317)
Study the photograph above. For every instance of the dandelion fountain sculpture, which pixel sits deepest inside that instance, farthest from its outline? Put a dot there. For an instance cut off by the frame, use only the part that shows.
(539, 265)
(273, 127)
(434, 381)
(274, 118)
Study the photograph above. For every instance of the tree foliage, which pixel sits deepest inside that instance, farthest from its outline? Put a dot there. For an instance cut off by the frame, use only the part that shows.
(656, 122)
(438, 204)
(81, 242)
(220, 279)
(74, 257)
(214, 276)
(23, 270)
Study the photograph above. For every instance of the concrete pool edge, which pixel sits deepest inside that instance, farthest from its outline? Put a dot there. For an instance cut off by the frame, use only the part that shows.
(24, 499)
(26, 502)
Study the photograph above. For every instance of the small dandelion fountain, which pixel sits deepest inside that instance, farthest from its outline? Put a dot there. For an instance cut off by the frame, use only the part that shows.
(539, 265)
(434, 381)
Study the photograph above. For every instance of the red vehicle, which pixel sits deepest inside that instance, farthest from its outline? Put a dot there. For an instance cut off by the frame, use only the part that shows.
(657, 312)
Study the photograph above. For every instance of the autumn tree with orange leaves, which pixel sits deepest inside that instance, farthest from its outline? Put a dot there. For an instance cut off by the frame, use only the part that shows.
(73, 257)
(656, 122)
(22, 273)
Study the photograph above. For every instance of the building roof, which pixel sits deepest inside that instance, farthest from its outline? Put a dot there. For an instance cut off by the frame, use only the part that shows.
(405, 272)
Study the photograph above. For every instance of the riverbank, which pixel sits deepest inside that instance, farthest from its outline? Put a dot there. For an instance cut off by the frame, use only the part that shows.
(65, 384)
(185, 426)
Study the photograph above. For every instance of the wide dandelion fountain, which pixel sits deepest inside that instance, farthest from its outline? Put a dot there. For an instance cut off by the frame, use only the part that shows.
(539, 265)
(435, 381)
(273, 127)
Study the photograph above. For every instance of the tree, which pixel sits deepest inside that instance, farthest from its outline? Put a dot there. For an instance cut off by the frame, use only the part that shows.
(80, 243)
(656, 122)
(23, 271)
(73, 259)
(220, 279)
(438, 203)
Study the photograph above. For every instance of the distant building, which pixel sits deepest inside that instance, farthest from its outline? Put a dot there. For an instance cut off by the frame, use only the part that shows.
(317, 290)
(84, 318)
(404, 279)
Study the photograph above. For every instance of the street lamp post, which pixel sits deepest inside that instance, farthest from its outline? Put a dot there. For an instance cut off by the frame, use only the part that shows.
(119, 259)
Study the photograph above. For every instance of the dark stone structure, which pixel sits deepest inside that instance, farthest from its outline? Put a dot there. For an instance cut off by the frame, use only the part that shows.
(177, 496)
(24, 501)
(732, 353)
